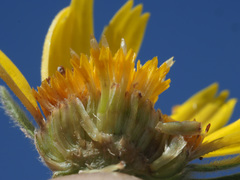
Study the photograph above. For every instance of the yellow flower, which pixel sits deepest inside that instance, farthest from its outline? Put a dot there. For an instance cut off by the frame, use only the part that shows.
(97, 109)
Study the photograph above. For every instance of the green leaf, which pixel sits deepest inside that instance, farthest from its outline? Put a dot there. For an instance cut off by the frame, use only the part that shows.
(230, 177)
(16, 113)
(217, 165)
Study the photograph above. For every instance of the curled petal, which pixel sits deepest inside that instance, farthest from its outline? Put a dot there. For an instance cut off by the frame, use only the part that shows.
(129, 24)
(71, 29)
(188, 110)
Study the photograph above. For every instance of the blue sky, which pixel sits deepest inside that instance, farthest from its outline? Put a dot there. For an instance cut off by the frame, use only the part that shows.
(203, 36)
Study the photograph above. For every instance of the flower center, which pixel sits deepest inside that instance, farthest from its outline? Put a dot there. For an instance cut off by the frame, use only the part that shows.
(102, 113)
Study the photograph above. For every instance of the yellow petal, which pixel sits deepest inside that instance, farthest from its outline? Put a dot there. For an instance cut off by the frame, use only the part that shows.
(187, 110)
(221, 117)
(231, 133)
(19, 85)
(226, 145)
(129, 24)
(230, 129)
(205, 114)
(71, 29)
(231, 150)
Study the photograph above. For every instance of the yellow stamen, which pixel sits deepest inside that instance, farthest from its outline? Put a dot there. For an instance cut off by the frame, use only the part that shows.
(97, 74)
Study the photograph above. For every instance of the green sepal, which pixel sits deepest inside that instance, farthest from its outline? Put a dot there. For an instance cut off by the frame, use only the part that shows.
(216, 165)
(230, 177)
(16, 113)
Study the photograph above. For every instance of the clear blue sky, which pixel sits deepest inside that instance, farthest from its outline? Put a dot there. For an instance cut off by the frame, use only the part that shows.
(203, 36)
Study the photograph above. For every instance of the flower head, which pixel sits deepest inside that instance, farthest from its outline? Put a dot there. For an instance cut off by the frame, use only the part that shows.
(97, 107)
